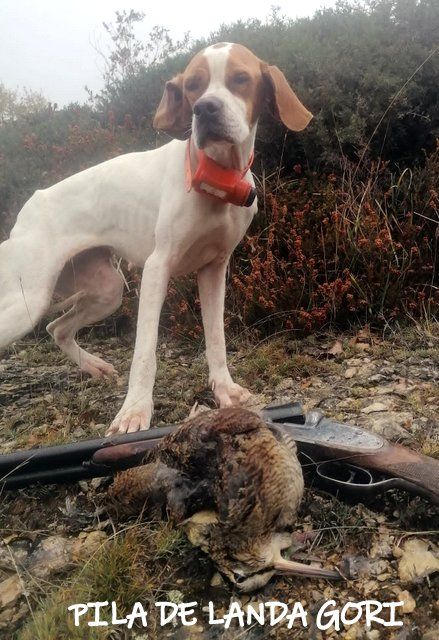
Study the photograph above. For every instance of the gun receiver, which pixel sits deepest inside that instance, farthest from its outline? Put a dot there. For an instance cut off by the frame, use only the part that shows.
(322, 439)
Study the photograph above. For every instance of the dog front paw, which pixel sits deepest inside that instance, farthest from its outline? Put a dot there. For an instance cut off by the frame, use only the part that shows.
(133, 416)
(97, 367)
(230, 394)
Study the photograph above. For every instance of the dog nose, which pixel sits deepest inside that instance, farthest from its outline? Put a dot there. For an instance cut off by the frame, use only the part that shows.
(207, 107)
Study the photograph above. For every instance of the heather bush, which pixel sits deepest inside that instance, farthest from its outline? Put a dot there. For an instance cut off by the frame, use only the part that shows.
(325, 248)
(348, 222)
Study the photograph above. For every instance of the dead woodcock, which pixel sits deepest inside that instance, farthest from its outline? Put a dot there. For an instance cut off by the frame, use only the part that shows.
(234, 484)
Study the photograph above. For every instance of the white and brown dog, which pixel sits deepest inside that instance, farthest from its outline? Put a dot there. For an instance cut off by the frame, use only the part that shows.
(140, 206)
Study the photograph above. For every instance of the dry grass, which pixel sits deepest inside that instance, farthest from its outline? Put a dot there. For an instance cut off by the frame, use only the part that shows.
(131, 567)
(269, 362)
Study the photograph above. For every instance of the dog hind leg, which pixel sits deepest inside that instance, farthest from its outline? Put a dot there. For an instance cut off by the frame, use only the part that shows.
(97, 292)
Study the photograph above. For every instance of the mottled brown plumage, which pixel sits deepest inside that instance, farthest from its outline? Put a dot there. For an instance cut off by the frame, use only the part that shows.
(234, 485)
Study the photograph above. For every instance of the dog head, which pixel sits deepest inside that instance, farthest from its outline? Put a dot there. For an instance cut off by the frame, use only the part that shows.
(221, 94)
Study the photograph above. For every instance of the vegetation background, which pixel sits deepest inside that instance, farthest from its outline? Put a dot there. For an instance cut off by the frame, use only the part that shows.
(349, 209)
(346, 234)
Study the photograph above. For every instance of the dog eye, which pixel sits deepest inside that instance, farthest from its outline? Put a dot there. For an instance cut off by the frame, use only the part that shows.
(192, 85)
(241, 78)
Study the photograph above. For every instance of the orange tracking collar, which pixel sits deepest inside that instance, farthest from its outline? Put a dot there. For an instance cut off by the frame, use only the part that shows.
(217, 182)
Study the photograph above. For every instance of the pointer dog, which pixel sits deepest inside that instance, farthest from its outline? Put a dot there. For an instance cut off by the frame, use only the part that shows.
(140, 206)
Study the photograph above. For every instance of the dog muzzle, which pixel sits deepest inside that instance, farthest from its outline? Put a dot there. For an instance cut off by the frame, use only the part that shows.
(215, 181)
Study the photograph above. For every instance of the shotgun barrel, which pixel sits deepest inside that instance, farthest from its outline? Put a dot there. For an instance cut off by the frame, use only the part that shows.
(73, 461)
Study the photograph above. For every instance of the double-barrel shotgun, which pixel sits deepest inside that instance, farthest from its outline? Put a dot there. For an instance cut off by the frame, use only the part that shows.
(342, 458)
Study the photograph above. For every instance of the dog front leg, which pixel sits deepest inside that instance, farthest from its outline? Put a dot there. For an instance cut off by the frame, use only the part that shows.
(211, 286)
(136, 411)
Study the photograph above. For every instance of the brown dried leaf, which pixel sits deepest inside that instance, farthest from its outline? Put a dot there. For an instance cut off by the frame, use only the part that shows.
(336, 348)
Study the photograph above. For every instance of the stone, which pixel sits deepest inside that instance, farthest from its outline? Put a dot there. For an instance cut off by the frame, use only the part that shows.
(336, 348)
(354, 362)
(377, 377)
(53, 555)
(354, 632)
(392, 425)
(417, 560)
(10, 591)
(19, 613)
(373, 634)
(381, 549)
(84, 547)
(375, 407)
(409, 602)
(100, 426)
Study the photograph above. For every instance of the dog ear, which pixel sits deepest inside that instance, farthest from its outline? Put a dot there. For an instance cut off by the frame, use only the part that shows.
(174, 113)
(285, 104)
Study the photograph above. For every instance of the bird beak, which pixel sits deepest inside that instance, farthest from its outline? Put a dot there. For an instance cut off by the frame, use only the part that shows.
(297, 568)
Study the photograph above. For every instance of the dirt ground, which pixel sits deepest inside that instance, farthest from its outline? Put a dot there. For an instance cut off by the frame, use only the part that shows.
(59, 545)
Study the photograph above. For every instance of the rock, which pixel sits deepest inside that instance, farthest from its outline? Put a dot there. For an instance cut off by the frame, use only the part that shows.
(347, 404)
(354, 632)
(409, 602)
(416, 560)
(392, 425)
(400, 388)
(85, 546)
(217, 580)
(10, 590)
(408, 632)
(99, 427)
(257, 402)
(375, 407)
(381, 549)
(9, 617)
(355, 362)
(335, 349)
(14, 554)
(53, 555)
(360, 566)
(369, 586)
(377, 377)
(374, 634)
(350, 373)
(362, 346)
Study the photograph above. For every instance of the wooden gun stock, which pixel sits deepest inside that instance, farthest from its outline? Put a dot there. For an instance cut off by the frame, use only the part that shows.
(417, 473)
